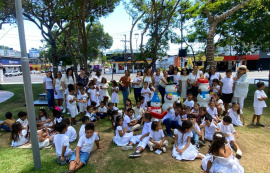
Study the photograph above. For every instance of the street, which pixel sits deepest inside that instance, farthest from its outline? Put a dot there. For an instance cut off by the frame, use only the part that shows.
(38, 78)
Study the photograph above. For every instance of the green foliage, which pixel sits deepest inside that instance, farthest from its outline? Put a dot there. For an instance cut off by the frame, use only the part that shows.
(7, 12)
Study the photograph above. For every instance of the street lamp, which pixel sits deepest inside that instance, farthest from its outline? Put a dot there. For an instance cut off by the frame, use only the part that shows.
(136, 37)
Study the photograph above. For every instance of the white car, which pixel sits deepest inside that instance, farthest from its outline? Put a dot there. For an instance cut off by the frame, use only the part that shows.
(35, 72)
(12, 73)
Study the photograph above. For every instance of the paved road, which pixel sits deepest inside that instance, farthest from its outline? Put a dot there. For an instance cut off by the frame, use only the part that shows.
(38, 78)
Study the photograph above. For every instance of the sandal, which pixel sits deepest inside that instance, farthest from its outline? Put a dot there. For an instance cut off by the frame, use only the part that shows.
(260, 124)
(252, 124)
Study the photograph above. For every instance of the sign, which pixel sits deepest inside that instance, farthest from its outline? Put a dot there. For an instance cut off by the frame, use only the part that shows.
(11, 62)
(219, 58)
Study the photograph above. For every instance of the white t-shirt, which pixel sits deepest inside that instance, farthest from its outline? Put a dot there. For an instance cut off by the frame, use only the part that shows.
(226, 129)
(21, 140)
(194, 78)
(257, 95)
(90, 115)
(215, 90)
(71, 97)
(126, 122)
(98, 80)
(68, 80)
(197, 128)
(211, 129)
(138, 111)
(157, 79)
(24, 123)
(220, 102)
(182, 138)
(71, 133)
(146, 96)
(177, 118)
(227, 87)
(170, 114)
(146, 128)
(48, 82)
(215, 76)
(87, 144)
(189, 103)
(59, 141)
(137, 79)
(117, 131)
(213, 112)
(144, 105)
(176, 79)
(156, 135)
(82, 130)
(104, 109)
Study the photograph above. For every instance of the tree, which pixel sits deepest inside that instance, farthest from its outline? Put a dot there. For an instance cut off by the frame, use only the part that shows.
(7, 12)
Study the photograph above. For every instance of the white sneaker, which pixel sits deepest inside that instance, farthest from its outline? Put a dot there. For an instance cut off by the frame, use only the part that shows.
(64, 111)
(151, 148)
(164, 149)
(127, 147)
(239, 152)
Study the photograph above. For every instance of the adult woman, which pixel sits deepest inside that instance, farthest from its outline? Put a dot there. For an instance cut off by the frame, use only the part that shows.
(148, 77)
(162, 85)
(157, 78)
(125, 82)
(241, 86)
(192, 80)
(97, 79)
(176, 78)
(48, 87)
(58, 95)
(212, 74)
(183, 83)
(170, 71)
(137, 85)
(82, 78)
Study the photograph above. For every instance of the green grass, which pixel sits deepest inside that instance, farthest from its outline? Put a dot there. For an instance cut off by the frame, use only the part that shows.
(254, 142)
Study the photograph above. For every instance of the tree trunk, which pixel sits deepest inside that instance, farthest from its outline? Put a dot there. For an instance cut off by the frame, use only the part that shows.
(54, 56)
(210, 45)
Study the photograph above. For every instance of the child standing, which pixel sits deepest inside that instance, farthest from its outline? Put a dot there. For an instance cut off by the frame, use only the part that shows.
(82, 99)
(259, 103)
(152, 91)
(227, 128)
(122, 137)
(208, 129)
(80, 156)
(93, 94)
(72, 105)
(7, 124)
(142, 139)
(19, 135)
(22, 118)
(115, 89)
(71, 132)
(236, 113)
(85, 120)
(157, 138)
(227, 88)
(196, 131)
(146, 93)
(212, 110)
(220, 157)
(61, 143)
(182, 148)
(219, 103)
(189, 102)
(103, 89)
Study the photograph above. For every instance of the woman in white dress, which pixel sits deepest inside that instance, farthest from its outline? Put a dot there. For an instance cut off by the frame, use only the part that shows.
(183, 83)
(183, 148)
(103, 89)
(58, 95)
(193, 80)
(148, 77)
(220, 157)
(241, 86)
(212, 75)
(121, 137)
(97, 79)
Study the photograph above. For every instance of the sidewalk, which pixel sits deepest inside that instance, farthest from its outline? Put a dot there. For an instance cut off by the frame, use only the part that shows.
(5, 95)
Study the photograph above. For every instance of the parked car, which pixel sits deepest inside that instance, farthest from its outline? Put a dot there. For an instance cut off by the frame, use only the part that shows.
(20, 73)
(35, 72)
(12, 73)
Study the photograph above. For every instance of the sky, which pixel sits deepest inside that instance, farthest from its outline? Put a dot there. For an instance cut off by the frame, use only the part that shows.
(116, 24)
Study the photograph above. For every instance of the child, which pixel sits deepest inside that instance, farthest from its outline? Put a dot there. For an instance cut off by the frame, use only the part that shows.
(80, 156)
(122, 137)
(7, 124)
(227, 128)
(138, 111)
(92, 115)
(142, 139)
(131, 125)
(182, 148)
(128, 105)
(189, 102)
(71, 132)
(85, 120)
(106, 101)
(71, 99)
(208, 129)
(115, 89)
(43, 137)
(103, 89)
(111, 112)
(219, 103)
(152, 91)
(157, 138)
(43, 117)
(259, 103)
(220, 157)
(143, 103)
(58, 116)
(215, 88)
(236, 113)
(195, 110)
(61, 143)
(184, 113)
(66, 103)
(146, 93)
(82, 99)
(19, 135)
(102, 110)
(22, 118)
(196, 131)
(93, 94)
(212, 110)
(202, 114)
(227, 88)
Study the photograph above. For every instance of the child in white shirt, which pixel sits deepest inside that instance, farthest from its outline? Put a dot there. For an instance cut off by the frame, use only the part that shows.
(259, 103)
(152, 91)
(195, 130)
(22, 118)
(212, 110)
(195, 110)
(19, 135)
(82, 98)
(219, 103)
(189, 102)
(92, 115)
(129, 123)
(215, 88)
(115, 89)
(61, 143)
(138, 111)
(157, 138)
(93, 94)
(102, 110)
(71, 132)
(122, 137)
(146, 93)
(236, 113)
(143, 103)
(208, 129)
(71, 99)
(85, 120)
(227, 88)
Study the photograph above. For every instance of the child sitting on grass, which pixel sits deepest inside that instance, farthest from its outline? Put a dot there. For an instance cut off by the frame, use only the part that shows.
(92, 115)
(212, 110)
(22, 118)
(219, 103)
(19, 135)
(71, 132)
(196, 131)
(236, 113)
(208, 129)
(61, 143)
(80, 156)
(157, 138)
(85, 120)
(7, 124)
(189, 102)
(142, 139)
(129, 123)
(102, 110)
(122, 137)
(195, 110)
(43, 136)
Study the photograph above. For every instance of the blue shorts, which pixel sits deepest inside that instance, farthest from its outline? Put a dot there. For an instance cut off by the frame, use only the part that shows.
(83, 157)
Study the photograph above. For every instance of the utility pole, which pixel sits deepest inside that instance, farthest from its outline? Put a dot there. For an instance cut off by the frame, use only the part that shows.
(125, 54)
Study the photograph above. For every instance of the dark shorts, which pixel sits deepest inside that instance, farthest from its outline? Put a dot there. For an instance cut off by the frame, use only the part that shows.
(194, 91)
(227, 98)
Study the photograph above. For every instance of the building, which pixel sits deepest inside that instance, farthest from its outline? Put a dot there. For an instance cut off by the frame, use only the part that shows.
(263, 61)
(10, 60)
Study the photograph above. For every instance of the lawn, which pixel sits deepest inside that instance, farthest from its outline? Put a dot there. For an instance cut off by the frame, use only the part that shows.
(254, 142)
